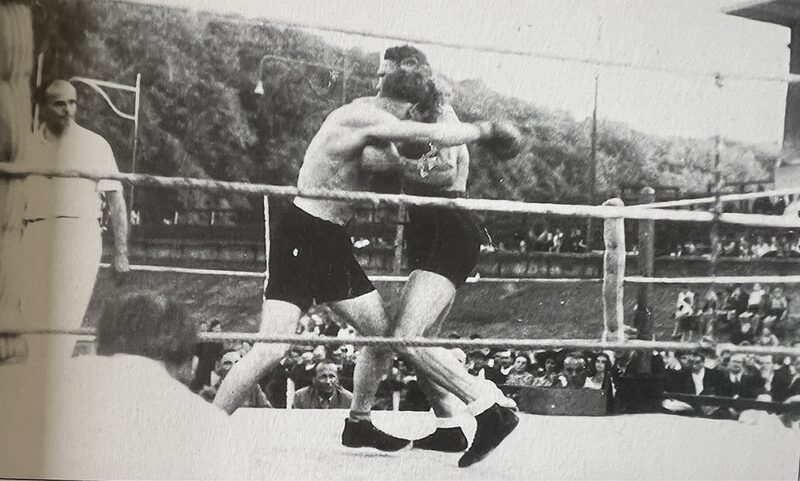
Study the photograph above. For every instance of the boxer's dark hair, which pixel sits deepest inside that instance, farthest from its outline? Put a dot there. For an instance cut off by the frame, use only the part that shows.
(146, 324)
(405, 53)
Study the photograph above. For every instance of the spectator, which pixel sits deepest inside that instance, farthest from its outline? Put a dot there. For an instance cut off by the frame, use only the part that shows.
(206, 354)
(520, 374)
(684, 314)
(786, 382)
(130, 403)
(325, 392)
(600, 378)
(557, 241)
(767, 338)
(477, 363)
(503, 364)
(766, 369)
(737, 382)
(548, 376)
(698, 381)
(303, 372)
(574, 372)
(778, 305)
(757, 300)
(760, 247)
(599, 375)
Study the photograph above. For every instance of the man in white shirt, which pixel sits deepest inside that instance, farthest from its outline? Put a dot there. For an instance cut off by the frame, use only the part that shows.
(124, 413)
(61, 238)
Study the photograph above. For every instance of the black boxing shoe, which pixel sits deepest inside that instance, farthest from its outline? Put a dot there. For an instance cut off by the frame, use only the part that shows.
(494, 425)
(363, 434)
(446, 440)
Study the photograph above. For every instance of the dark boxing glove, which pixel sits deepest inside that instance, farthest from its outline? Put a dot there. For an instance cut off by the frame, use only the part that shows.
(501, 138)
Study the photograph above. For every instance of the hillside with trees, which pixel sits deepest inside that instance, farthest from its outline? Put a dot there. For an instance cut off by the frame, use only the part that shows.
(201, 118)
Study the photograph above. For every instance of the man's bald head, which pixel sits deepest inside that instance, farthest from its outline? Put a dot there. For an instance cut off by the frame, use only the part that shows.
(59, 102)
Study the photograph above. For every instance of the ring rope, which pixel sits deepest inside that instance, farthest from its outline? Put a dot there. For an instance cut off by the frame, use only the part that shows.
(714, 280)
(715, 76)
(722, 198)
(490, 205)
(588, 344)
(376, 278)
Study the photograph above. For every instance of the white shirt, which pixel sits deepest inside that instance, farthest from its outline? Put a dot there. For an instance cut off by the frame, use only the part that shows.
(78, 149)
(111, 418)
(697, 377)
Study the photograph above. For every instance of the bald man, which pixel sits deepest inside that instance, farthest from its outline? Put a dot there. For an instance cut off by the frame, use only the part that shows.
(61, 237)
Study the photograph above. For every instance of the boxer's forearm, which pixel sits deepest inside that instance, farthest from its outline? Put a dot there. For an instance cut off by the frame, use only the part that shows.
(119, 221)
(446, 135)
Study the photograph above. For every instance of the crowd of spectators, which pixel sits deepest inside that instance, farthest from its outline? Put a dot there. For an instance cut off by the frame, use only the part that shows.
(750, 246)
(543, 239)
(756, 316)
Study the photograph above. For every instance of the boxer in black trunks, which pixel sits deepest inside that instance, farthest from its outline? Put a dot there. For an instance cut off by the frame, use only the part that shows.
(442, 247)
(309, 259)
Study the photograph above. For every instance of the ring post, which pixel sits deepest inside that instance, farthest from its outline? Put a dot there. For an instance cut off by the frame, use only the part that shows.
(613, 274)
(643, 321)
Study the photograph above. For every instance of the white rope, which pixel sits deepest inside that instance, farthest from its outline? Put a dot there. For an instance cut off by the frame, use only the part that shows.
(505, 206)
(723, 198)
(378, 278)
(578, 344)
(715, 280)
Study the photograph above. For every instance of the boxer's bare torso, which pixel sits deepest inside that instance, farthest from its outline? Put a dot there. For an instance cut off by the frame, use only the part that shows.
(333, 158)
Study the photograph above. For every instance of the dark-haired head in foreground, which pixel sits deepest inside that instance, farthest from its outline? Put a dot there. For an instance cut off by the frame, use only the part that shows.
(150, 325)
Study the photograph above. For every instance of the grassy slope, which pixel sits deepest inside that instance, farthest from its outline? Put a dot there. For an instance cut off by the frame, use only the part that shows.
(532, 311)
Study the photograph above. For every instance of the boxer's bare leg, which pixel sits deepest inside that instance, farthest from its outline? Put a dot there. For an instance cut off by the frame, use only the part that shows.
(277, 318)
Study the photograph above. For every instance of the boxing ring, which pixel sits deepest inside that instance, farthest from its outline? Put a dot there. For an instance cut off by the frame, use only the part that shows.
(650, 446)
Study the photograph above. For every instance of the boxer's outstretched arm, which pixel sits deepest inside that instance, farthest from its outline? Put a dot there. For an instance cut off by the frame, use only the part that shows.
(445, 134)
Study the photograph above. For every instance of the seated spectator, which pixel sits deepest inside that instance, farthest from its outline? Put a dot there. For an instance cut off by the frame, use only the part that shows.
(558, 241)
(477, 363)
(573, 375)
(547, 376)
(767, 338)
(498, 373)
(756, 302)
(743, 329)
(255, 398)
(128, 405)
(303, 372)
(520, 374)
(766, 369)
(738, 382)
(325, 392)
(684, 314)
(786, 382)
(698, 381)
(760, 247)
(600, 378)
(777, 305)
(599, 374)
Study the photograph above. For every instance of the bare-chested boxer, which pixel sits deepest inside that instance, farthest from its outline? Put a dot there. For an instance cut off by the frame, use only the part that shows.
(442, 246)
(311, 257)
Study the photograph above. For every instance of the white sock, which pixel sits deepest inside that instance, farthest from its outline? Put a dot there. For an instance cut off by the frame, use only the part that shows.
(447, 423)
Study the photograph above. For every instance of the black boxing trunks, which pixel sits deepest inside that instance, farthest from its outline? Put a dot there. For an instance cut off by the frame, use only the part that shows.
(444, 241)
(311, 260)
